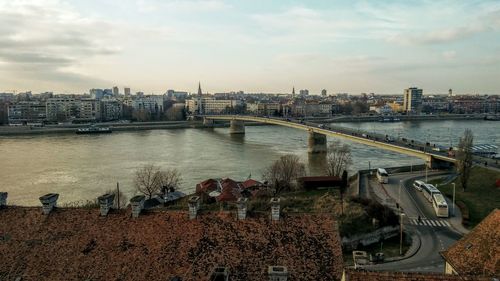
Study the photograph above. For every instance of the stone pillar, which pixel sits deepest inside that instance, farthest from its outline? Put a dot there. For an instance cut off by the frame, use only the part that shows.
(137, 203)
(237, 127)
(275, 209)
(208, 122)
(317, 143)
(277, 273)
(105, 203)
(194, 206)
(49, 201)
(3, 199)
(242, 208)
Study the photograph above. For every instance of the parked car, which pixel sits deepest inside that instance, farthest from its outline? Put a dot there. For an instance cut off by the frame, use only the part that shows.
(418, 185)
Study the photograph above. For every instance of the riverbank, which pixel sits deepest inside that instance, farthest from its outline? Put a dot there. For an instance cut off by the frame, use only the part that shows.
(116, 127)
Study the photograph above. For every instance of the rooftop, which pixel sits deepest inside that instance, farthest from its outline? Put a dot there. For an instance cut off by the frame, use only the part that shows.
(78, 244)
(478, 252)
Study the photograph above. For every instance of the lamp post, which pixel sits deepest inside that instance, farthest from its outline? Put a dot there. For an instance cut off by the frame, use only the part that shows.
(453, 206)
(399, 193)
(401, 234)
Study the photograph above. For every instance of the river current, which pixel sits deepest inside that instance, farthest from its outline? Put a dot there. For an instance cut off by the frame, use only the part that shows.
(82, 167)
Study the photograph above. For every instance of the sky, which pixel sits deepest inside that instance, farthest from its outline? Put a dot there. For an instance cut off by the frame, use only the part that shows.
(254, 46)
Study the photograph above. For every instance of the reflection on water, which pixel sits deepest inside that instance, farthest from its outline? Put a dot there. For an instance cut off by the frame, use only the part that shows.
(317, 163)
(81, 167)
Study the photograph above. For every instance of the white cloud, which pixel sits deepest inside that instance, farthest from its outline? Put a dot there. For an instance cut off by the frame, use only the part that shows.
(47, 40)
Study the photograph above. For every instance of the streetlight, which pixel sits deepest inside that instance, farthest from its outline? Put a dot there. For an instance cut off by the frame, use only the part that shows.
(399, 194)
(453, 206)
(401, 234)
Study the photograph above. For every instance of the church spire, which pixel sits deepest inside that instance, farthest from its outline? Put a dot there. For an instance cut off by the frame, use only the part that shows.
(199, 89)
(293, 91)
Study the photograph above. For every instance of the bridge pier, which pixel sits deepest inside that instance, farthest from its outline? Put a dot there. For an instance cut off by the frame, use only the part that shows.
(434, 163)
(317, 143)
(208, 122)
(237, 127)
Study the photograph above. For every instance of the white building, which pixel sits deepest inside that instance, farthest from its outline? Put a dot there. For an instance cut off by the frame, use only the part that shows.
(198, 105)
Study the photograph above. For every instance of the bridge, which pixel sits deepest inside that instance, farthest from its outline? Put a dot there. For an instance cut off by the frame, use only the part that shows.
(317, 137)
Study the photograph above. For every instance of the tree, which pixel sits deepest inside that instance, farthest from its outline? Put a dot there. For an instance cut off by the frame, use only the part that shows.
(283, 173)
(148, 180)
(338, 158)
(170, 180)
(464, 157)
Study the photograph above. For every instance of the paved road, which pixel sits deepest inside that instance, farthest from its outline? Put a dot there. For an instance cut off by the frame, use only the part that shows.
(436, 234)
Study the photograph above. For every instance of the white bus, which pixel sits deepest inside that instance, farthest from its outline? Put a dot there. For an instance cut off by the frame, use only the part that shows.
(428, 190)
(382, 175)
(418, 185)
(440, 205)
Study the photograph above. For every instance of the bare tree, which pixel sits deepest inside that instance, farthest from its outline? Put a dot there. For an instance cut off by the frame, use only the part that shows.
(338, 158)
(148, 180)
(464, 157)
(169, 180)
(283, 173)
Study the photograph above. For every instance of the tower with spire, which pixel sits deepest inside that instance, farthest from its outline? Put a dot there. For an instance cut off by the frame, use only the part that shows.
(293, 92)
(199, 88)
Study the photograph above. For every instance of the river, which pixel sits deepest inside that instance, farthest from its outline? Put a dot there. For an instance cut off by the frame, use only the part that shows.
(81, 167)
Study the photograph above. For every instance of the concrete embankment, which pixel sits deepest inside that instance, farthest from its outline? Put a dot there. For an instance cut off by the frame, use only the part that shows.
(116, 127)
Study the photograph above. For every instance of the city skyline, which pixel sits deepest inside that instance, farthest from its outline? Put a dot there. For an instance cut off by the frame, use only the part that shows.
(383, 47)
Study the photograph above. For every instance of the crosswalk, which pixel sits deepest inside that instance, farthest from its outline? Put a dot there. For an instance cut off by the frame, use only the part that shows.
(430, 223)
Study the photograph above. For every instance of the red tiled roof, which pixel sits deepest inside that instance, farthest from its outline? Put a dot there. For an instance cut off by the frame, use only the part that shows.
(251, 183)
(206, 186)
(361, 275)
(78, 244)
(478, 252)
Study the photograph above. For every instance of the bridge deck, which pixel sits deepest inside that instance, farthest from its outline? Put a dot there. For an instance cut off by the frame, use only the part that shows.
(331, 132)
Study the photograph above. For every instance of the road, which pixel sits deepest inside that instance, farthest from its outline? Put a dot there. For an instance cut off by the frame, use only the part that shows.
(436, 234)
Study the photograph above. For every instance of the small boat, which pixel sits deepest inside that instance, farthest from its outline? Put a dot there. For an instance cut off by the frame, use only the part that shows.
(94, 130)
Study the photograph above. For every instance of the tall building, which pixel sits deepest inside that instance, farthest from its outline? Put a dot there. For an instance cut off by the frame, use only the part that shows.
(450, 92)
(116, 92)
(412, 100)
(323, 93)
(96, 94)
(126, 91)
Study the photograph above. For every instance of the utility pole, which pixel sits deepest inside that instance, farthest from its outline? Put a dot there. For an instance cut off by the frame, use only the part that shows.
(399, 193)
(401, 234)
(118, 194)
(453, 206)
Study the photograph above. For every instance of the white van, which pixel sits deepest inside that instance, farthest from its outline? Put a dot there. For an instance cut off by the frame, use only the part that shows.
(418, 185)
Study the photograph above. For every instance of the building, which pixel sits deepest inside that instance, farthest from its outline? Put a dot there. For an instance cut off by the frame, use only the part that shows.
(209, 105)
(264, 108)
(25, 112)
(75, 243)
(478, 252)
(323, 93)
(177, 95)
(111, 110)
(116, 91)
(412, 100)
(62, 109)
(97, 94)
(89, 110)
(150, 104)
(304, 92)
(126, 90)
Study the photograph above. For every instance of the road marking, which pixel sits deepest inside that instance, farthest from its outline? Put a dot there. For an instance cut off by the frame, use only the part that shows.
(425, 222)
(414, 221)
(439, 223)
(446, 223)
(432, 223)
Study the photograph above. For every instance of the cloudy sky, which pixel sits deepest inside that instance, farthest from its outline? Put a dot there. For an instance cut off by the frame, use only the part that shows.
(254, 45)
